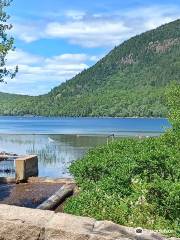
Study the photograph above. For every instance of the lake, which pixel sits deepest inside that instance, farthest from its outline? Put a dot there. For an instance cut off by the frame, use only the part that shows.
(60, 141)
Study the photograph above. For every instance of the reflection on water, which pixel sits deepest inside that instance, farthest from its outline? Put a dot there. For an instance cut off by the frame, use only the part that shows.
(7, 168)
(55, 152)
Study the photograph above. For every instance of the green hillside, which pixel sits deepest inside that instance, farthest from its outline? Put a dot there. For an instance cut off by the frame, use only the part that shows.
(129, 81)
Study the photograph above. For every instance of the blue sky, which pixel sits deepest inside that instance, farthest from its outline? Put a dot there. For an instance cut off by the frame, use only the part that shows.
(56, 39)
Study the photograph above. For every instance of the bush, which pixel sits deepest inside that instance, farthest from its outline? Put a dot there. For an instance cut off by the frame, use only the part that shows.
(135, 182)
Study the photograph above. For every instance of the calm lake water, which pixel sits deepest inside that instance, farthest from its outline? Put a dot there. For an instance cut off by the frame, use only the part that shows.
(60, 141)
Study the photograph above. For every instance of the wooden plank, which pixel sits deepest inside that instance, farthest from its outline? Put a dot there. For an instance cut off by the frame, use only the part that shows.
(59, 197)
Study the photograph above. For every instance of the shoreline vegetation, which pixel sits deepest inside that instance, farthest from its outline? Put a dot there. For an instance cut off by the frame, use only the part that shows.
(85, 117)
(133, 182)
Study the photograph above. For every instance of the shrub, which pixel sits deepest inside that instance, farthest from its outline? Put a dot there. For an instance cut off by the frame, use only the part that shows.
(135, 182)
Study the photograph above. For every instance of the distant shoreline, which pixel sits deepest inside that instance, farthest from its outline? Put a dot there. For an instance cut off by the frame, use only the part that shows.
(95, 117)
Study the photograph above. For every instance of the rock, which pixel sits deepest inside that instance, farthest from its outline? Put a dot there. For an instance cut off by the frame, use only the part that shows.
(17, 230)
(17, 223)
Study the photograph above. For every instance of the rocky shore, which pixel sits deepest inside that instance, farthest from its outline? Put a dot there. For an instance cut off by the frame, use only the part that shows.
(34, 224)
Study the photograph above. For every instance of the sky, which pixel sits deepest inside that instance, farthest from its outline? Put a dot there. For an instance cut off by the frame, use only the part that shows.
(57, 39)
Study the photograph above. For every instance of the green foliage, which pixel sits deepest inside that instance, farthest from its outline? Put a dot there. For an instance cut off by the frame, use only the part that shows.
(174, 104)
(6, 43)
(135, 182)
(129, 81)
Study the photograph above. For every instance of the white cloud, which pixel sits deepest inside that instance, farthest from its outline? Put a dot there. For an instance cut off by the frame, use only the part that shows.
(40, 74)
(28, 32)
(98, 29)
(84, 33)
(88, 34)
(69, 58)
(151, 17)
(75, 15)
(21, 57)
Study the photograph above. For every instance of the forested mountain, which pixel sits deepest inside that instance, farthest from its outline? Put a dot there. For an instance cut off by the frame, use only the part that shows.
(129, 81)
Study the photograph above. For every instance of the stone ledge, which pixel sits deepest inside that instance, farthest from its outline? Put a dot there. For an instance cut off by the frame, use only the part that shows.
(32, 224)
